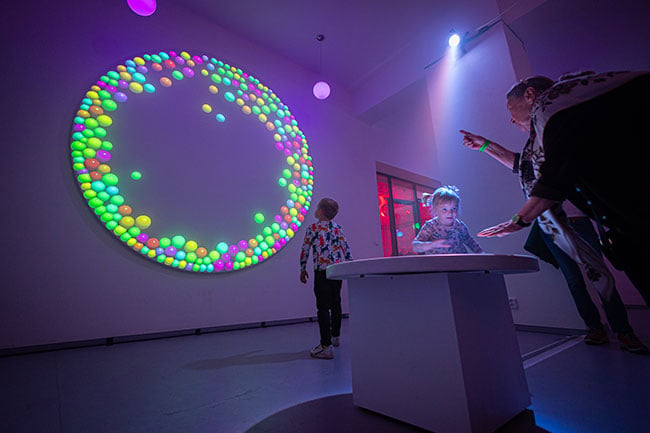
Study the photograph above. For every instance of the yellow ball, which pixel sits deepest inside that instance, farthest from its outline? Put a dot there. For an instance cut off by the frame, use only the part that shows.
(206, 108)
(127, 221)
(104, 120)
(190, 246)
(135, 87)
(213, 89)
(142, 222)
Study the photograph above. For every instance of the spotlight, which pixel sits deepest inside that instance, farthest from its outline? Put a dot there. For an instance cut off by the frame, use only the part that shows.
(454, 39)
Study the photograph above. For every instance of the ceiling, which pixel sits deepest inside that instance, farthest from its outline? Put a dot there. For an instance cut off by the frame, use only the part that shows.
(360, 35)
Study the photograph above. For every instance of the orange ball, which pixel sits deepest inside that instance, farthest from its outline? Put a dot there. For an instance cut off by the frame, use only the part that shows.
(124, 210)
(95, 110)
(201, 252)
(91, 163)
(95, 175)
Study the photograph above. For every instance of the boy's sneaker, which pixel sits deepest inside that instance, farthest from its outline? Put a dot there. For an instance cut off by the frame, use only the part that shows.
(631, 343)
(322, 352)
(596, 337)
(336, 341)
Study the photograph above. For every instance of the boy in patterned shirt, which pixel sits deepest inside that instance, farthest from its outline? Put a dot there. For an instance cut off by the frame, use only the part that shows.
(326, 241)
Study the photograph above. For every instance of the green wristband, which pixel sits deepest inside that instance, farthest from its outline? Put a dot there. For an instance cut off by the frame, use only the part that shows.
(484, 146)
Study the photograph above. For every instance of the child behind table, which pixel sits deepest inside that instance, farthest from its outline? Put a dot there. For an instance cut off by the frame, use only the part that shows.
(444, 233)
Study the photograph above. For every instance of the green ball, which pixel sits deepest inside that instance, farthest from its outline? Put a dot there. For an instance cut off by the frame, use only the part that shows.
(117, 199)
(164, 242)
(222, 247)
(110, 179)
(178, 241)
(259, 218)
(136, 175)
(95, 202)
(109, 105)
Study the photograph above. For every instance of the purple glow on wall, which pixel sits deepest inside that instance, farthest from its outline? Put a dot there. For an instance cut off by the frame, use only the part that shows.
(321, 90)
(142, 7)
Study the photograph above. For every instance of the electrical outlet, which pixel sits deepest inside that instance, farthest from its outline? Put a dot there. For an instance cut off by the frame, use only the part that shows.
(514, 304)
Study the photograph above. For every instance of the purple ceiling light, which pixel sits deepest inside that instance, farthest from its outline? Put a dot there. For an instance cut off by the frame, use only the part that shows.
(321, 89)
(142, 7)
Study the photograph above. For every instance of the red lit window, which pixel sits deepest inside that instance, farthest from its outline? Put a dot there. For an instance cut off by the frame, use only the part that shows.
(401, 213)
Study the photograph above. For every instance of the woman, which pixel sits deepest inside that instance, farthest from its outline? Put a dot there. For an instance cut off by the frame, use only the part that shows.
(589, 146)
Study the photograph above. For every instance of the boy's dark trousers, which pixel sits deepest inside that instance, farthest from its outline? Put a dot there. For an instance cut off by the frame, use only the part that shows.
(328, 299)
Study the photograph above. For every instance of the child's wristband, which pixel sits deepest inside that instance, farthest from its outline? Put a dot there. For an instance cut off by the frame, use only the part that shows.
(484, 146)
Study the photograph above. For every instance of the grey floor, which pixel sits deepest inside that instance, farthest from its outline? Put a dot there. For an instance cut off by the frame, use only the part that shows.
(263, 380)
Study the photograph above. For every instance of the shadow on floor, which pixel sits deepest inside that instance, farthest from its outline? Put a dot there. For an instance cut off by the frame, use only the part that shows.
(338, 414)
(247, 358)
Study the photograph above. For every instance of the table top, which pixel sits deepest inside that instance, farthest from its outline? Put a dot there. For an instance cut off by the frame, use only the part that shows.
(422, 264)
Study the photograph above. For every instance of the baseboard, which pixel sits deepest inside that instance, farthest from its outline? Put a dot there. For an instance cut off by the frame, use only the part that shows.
(550, 330)
(108, 341)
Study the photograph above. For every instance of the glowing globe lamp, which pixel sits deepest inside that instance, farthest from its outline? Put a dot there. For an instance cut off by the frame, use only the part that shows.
(321, 90)
(454, 40)
(142, 7)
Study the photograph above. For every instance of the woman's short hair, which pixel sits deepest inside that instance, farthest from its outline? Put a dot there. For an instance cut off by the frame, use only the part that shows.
(539, 82)
(329, 207)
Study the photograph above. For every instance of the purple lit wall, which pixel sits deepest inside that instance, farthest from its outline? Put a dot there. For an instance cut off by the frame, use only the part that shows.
(65, 277)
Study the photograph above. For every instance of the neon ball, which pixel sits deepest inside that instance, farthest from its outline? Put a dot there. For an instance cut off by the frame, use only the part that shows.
(142, 7)
(143, 222)
(178, 241)
(190, 246)
(321, 90)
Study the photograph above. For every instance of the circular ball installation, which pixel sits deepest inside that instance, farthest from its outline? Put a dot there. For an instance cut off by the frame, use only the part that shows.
(91, 150)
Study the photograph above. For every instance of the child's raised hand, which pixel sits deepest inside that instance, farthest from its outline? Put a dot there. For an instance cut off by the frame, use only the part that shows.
(303, 277)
